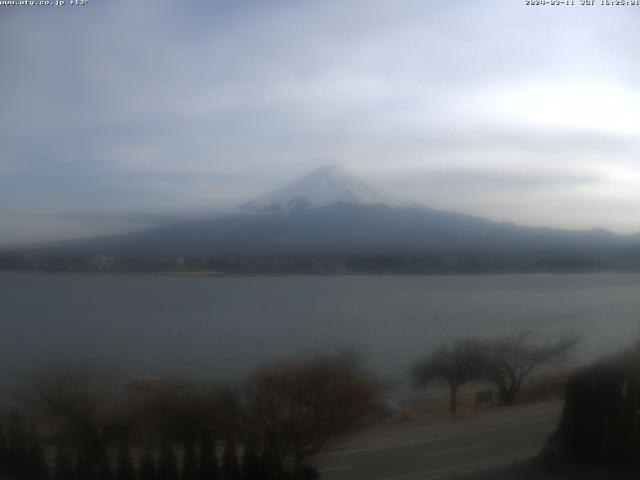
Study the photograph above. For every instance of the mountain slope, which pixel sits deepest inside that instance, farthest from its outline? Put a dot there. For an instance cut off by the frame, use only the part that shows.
(347, 229)
(329, 214)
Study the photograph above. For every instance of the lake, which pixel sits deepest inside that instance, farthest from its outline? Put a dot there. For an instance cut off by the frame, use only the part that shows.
(224, 327)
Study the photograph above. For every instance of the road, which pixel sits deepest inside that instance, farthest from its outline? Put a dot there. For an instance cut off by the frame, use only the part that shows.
(460, 447)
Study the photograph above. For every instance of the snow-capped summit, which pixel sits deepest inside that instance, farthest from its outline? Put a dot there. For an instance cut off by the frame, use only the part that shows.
(323, 186)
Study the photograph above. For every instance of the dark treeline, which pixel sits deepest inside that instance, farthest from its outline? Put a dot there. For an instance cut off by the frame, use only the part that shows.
(85, 426)
(600, 422)
(484, 262)
(23, 457)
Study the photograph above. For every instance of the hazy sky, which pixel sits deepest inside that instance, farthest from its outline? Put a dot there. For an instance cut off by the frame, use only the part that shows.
(118, 114)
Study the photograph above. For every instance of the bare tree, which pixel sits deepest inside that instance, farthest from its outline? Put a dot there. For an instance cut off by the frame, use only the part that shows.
(454, 365)
(81, 409)
(511, 359)
(291, 411)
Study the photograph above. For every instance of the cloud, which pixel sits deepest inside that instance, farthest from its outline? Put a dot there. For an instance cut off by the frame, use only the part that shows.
(514, 180)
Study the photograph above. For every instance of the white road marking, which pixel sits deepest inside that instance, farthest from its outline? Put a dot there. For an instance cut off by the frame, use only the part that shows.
(438, 472)
(454, 450)
(334, 469)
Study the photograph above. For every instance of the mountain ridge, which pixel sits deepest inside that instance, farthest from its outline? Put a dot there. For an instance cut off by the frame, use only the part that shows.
(330, 218)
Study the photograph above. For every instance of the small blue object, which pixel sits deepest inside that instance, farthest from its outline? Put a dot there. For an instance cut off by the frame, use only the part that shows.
(389, 407)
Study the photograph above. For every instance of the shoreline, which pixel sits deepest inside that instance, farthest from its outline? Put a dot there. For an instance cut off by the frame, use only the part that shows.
(218, 274)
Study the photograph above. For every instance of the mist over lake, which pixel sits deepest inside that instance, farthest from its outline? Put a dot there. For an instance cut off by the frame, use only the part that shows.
(225, 327)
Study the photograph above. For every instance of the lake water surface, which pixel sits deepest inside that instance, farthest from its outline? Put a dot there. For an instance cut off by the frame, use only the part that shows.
(224, 327)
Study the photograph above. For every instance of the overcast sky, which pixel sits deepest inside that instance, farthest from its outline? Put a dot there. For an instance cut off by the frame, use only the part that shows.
(120, 114)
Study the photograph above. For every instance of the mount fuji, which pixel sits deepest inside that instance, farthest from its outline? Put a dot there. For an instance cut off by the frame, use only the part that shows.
(330, 220)
(324, 186)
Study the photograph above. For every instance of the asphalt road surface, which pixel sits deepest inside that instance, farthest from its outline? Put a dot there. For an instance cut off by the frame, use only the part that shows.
(503, 441)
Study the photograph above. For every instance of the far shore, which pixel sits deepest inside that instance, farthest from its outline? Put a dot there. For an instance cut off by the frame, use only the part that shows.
(218, 274)
(192, 273)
